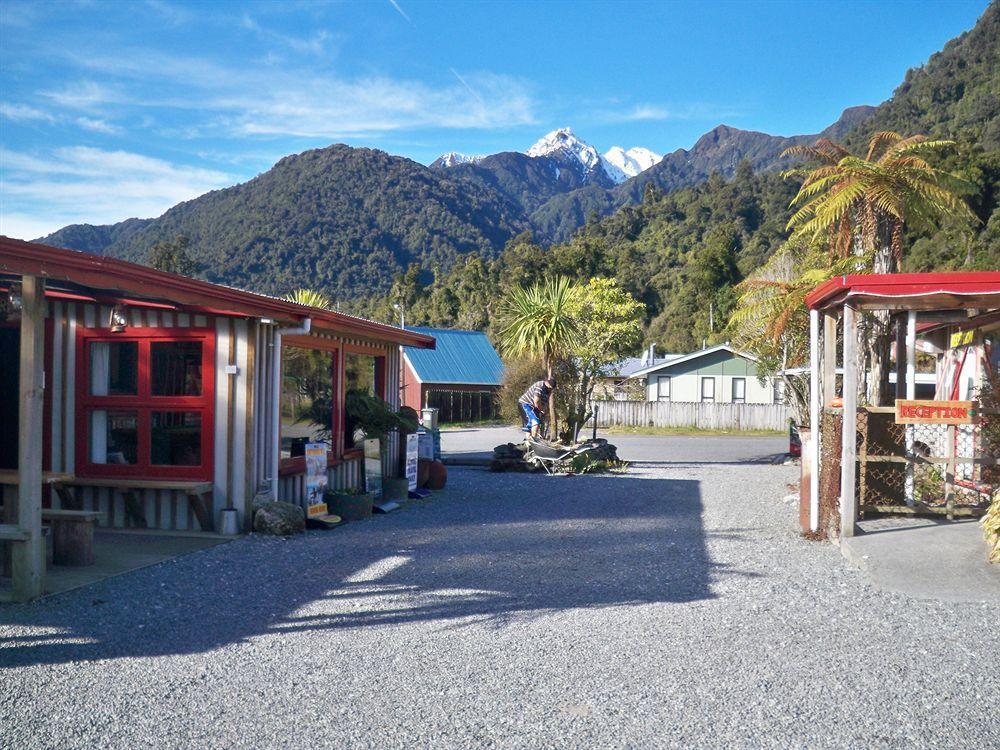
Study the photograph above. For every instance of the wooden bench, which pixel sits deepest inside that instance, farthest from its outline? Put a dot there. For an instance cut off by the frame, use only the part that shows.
(198, 493)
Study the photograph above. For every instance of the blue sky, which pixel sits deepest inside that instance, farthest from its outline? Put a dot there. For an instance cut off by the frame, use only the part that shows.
(117, 109)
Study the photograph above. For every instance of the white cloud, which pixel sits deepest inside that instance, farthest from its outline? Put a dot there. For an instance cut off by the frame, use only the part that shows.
(98, 126)
(290, 101)
(644, 112)
(24, 112)
(400, 10)
(315, 44)
(85, 95)
(83, 184)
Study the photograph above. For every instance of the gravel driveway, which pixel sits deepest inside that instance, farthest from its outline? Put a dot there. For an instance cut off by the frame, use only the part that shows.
(672, 606)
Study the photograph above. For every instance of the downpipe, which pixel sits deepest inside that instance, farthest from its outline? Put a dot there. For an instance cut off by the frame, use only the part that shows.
(301, 330)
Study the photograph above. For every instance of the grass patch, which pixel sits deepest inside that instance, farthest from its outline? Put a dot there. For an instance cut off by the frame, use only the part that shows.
(689, 431)
(468, 425)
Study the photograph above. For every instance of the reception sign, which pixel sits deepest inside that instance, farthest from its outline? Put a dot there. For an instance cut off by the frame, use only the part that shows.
(934, 412)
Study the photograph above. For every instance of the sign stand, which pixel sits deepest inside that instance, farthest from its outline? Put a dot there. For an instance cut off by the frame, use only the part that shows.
(317, 480)
(373, 476)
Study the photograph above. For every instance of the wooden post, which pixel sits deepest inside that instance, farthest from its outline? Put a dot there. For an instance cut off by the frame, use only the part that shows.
(901, 352)
(848, 502)
(28, 557)
(815, 397)
(949, 475)
(829, 375)
(911, 393)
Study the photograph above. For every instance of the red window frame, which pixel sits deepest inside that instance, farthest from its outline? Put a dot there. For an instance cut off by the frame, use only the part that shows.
(340, 350)
(143, 403)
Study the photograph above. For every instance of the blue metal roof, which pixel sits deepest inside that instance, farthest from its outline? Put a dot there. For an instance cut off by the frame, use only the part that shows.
(461, 357)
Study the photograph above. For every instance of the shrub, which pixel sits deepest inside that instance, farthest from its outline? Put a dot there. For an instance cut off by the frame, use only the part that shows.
(991, 527)
(518, 375)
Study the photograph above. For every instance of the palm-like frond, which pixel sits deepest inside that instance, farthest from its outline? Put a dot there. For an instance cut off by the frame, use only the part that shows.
(538, 320)
(310, 298)
(861, 203)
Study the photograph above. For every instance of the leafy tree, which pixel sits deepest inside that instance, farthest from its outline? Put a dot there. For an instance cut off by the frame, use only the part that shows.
(172, 257)
(771, 320)
(863, 205)
(609, 325)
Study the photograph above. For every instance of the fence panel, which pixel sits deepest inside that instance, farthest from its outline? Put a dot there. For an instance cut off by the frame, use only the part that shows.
(704, 416)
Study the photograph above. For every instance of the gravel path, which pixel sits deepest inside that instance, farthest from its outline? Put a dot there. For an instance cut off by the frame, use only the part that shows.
(672, 606)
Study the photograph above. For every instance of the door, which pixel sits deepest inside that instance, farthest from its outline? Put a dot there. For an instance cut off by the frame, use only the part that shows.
(10, 378)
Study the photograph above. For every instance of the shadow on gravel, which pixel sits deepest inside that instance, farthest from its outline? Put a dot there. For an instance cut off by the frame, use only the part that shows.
(489, 549)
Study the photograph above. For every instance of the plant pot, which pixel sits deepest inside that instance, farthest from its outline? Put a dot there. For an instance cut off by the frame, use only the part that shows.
(438, 476)
(423, 471)
(395, 489)
(351, 507)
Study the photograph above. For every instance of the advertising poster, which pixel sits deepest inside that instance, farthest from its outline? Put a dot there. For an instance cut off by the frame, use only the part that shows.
(412, 443)
(316, 478)
(373, 467)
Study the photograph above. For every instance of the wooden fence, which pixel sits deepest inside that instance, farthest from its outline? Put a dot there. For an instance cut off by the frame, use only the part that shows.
(707, 416)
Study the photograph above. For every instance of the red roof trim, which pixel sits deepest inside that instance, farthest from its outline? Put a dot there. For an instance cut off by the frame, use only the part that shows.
(20, 257)
(898, 285)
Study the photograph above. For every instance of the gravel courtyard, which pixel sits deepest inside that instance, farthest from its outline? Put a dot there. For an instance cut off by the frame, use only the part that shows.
(673, 606)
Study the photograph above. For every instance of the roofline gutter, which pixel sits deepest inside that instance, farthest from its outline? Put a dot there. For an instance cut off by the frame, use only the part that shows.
(300, 330)
(19, 257)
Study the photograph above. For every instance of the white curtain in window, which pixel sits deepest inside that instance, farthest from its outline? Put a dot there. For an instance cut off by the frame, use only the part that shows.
(100, 375)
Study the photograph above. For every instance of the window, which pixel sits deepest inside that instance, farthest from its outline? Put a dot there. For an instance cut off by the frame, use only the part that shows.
(739, 390)
(363, 373)
(145, 403)
(708, 389)
(662, 387)
(307, 404)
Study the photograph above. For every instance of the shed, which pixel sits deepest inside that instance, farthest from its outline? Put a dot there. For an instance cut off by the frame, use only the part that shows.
(157, 400)
(935, 465)
(461, 376)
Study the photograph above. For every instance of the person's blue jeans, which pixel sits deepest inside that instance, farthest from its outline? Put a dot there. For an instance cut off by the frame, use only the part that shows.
(531, 414)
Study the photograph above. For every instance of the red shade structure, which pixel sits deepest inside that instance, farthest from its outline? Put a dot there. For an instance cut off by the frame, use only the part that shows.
(931, 303)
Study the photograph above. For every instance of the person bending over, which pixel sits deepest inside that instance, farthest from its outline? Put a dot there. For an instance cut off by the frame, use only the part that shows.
(534, 401)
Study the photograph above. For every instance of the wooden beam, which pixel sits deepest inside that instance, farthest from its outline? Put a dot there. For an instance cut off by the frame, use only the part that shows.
(900, 357)
(815, 397)
(848, 502)
(909, 489)
(829, 376)
(28, 557)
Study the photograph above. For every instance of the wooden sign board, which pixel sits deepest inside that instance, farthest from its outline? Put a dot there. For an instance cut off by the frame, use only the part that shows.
(934, 412)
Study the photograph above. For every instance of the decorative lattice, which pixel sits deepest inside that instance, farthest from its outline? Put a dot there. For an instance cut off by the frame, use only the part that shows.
(897, 461)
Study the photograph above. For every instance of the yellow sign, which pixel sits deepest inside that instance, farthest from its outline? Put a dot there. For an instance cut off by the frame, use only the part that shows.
(934, 412)
(962, 338)
(317, 509)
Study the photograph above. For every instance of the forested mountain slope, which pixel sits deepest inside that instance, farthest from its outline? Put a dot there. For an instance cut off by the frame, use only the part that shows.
(339, 219)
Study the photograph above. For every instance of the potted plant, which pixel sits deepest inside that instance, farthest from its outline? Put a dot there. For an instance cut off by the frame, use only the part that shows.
(376, 419)
(350, 504)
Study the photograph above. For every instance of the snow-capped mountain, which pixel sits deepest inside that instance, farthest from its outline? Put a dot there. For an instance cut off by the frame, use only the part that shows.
(563, 143)
(621, 164)
(565, 151)
(618, 164)
(454, 157)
